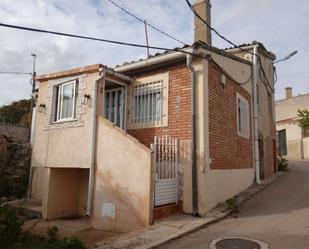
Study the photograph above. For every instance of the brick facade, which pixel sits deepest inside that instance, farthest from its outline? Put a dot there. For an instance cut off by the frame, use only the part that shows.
(227, 149)
(179, 107)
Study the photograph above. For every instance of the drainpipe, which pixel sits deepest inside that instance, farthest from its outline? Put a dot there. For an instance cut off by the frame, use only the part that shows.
(194, 163)
(255, 115)
(93, 146)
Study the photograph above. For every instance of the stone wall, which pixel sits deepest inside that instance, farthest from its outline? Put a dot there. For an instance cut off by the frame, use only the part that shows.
(15, 155)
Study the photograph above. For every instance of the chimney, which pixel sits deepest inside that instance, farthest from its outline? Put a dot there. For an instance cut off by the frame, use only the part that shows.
(201, 31)
(288, 93)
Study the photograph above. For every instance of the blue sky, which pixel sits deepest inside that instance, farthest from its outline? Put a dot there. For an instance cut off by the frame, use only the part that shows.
(281, 25)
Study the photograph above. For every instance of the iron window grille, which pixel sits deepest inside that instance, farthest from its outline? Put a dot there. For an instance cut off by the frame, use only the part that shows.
(147, 104)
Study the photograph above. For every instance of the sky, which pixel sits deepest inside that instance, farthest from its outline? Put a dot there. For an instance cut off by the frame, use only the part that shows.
(281, 25)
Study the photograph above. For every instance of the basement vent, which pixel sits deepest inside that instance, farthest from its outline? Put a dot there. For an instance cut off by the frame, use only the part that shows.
(108, 210)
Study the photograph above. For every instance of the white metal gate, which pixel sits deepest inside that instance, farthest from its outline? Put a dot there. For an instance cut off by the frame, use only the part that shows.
(166, 182)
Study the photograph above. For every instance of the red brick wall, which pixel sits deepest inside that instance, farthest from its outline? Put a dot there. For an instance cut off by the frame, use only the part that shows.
(227, 149)
(179, 107)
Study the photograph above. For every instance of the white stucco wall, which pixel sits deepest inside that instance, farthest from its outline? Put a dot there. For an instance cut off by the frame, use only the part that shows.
(60, 144)
(123, 178)
(221, 185)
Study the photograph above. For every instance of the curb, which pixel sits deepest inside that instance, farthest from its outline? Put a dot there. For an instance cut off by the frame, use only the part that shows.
(185, 233)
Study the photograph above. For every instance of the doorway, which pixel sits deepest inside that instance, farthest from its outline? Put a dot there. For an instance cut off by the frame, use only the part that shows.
(114, 109)
(282, 142)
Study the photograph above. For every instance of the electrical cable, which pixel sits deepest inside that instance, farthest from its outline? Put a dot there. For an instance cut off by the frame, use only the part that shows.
(142, 21)
(229, 76)
(229, 41)
(267, 84)
(262, 77)
(276, 76)
(3, 72)
(213, 29)
(94, 38)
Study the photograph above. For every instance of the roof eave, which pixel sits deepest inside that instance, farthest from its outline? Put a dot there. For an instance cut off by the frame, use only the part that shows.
(74, 71)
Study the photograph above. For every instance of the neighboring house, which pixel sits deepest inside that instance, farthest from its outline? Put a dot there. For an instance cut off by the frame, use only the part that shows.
(126, 146)
(293, 141)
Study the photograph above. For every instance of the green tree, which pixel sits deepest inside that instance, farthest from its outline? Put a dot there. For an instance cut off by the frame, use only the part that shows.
(18, 112)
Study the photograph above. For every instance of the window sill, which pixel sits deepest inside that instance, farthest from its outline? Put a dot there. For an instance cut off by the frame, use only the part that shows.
(134, 127)
(243, 136)
(64, 121)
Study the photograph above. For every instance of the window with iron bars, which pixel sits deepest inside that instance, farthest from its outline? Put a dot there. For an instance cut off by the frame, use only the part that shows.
(147, 104)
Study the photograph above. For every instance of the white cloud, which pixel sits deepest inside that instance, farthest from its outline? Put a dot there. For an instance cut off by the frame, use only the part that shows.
(282, 27)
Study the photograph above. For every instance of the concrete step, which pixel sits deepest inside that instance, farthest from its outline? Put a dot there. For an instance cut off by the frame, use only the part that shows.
(27, 209)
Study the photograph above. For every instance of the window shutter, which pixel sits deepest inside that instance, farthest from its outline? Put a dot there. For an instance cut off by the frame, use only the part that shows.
(243, 120)
(246, 118)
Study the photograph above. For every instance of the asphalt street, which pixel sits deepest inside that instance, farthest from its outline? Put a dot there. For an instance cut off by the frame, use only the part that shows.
(278, 215)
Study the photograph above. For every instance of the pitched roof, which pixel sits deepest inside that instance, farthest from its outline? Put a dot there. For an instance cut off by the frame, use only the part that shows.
(152, 56)
(198, 44)
(261, 45)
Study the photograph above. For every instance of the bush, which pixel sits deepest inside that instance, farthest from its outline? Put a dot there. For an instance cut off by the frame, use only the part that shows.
(232, 205)
(282, 164)
(67, 243)
(5, 189)
(51, 242)
(10, 226)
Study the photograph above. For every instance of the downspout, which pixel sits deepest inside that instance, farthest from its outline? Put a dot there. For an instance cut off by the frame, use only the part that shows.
(193, 152)
(255, 116)
(93, 146)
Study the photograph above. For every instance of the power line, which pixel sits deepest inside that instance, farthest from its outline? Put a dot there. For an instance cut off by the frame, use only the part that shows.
(142, 21)
(211, 28)
(94, 38)
(229, 76)
(3, 72)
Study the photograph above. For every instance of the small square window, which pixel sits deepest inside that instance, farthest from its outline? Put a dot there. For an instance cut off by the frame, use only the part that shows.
(64, 101)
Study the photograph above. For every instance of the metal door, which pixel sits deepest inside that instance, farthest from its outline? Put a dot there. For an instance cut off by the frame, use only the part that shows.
(282, 142)
(166, 182)
(115, 106)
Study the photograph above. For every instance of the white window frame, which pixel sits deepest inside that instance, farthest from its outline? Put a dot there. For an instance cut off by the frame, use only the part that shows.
(243, 116)
(147, 85)
(58, 110)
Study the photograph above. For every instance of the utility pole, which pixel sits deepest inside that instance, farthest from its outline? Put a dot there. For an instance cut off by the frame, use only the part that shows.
(32, 95)
(146, 34)
(31, 123)
(33, 74)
